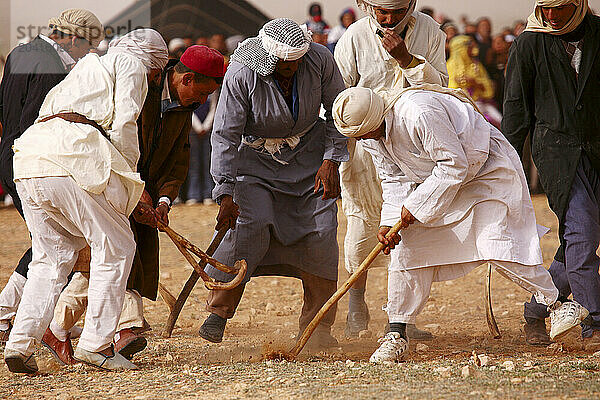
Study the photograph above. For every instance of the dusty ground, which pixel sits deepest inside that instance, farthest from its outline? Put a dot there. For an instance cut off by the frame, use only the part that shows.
(186, 366)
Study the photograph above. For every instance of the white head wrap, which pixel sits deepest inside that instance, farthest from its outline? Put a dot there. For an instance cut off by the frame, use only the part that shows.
(279, 39)
(368, 6)
(80, 23)
(175, 44)
(537, 23)
(358, 110)
(146, 44)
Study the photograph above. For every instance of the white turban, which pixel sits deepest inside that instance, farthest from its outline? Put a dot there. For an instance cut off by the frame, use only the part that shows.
(368, 6)
(537, 23)
(358, 110)
(80, 23)
(146, 44)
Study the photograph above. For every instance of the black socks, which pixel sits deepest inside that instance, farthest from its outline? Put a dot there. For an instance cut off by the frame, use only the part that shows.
(398, 327)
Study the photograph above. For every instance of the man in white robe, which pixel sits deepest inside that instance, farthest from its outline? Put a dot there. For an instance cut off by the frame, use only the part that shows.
(74, 170)
(460, 191)
(408, 51)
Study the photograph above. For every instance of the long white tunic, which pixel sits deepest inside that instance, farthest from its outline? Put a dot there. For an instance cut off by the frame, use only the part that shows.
(363, 61)
(109, 90)
(462, 181)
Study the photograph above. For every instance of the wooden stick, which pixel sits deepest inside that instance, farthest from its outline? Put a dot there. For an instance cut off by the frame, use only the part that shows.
(190, 283)
(180, 241)
(489, 313)
(167, 297)
(341, 292)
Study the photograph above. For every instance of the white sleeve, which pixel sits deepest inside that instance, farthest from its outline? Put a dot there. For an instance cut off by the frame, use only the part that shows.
(345, 57)
(431, 198)
(433, 70)
(395, 185)
(131, 87)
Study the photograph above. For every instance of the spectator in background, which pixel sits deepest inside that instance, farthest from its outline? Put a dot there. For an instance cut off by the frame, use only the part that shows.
(188, 41)
(484, 38)
(315, 23)
(217, 42)
(451, 30)
(496, 60)
(470, 29)
(347, 18)
(518, 28)
(199, 180)
(176, 48)
(467, 73)
(202, 41)
(319, 35)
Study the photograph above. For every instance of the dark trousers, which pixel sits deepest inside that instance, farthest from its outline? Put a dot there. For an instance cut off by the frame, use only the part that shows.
(200, 182)
(6, 176)
(316, 292)
(578, 275)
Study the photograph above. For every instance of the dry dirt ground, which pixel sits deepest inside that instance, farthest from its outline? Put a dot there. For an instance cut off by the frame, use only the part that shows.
(186, 366)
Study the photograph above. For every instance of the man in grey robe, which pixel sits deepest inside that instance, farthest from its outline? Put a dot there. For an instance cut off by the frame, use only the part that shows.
(274, 162)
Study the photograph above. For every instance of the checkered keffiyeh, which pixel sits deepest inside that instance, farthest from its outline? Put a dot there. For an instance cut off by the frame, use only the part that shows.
(279, 39)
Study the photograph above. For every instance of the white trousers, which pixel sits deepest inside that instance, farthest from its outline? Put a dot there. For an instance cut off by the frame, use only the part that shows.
(10, 298)
(73, 302)
(408, 290)
(361, 202)
(62, 218)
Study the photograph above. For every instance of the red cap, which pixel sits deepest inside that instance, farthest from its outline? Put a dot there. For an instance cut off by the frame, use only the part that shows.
(204, 60)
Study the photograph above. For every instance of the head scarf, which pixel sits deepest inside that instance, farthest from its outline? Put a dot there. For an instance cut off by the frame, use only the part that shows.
(80, 23)
(536, 22)
(358, 110)
(146, 44)
(279, 39)
(368, 6)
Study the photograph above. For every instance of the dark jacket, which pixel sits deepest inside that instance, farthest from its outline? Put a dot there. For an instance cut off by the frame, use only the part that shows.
(30, 72)
(545, 98)
(163, 165)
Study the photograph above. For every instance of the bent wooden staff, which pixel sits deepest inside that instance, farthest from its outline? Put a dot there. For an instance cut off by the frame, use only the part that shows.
(308, 331)
(185, 247)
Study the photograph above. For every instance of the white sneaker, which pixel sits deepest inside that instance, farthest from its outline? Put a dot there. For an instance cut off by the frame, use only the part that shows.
(393, 348)
(564, 317)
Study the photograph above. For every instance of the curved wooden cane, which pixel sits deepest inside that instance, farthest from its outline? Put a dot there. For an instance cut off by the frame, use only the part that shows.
(185, 246)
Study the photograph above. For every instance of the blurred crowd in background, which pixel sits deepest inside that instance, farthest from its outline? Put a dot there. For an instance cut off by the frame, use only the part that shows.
(476, 55)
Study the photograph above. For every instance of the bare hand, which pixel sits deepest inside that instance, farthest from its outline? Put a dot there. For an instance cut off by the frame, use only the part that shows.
(396, 46)
(329, 176)
(144, 212)
(390, 242)
(407, 218)
(228, 213)
(162, 213)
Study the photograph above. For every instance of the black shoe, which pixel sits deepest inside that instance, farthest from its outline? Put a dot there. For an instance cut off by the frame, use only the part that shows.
(20, 364)
(213, 328)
